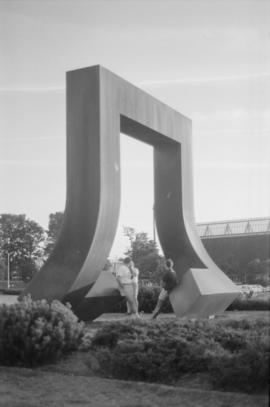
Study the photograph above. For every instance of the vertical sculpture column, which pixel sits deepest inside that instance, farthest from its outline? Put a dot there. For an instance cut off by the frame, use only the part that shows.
(100, 105)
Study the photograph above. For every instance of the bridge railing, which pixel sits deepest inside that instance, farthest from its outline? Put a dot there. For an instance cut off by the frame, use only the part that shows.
(235, 227)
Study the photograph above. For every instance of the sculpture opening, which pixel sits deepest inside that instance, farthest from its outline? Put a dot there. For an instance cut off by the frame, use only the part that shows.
(137, 194)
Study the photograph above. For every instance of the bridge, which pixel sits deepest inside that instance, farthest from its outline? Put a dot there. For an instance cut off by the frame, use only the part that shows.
(231, 228)
(234, 244)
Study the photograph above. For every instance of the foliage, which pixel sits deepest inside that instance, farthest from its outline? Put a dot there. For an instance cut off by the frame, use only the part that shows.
(250, 304)
(144, 253)
(28, 269)
(35, 332)
(149, 353)
(258, 272)
(55, 225)
(234, 354)
(148, 297)
(231, 267)
(2, 269)
(246, 371)
(22, 238)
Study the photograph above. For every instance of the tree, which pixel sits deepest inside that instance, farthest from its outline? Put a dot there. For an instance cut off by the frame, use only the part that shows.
(28, 268)
(258, 271)
(2, 269)
(230, 266)
(144, 253)
(22, 239)
(55, 224)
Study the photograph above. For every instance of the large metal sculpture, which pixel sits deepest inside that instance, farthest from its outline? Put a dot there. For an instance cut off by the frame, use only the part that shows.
(100, 105)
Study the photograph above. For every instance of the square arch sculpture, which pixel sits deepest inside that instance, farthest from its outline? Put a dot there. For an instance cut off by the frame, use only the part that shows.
(100, 105)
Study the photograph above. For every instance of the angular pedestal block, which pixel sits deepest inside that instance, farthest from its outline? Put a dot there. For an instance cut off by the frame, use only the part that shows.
(100, 298)
(201, 293)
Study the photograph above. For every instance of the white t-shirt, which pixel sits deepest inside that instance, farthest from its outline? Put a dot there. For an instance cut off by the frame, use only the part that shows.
(124, 273)
(135, 275)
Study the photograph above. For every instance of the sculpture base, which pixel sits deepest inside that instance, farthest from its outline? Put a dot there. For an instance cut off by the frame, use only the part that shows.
(202, 293)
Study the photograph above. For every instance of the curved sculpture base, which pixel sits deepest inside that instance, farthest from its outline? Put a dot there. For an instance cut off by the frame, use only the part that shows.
(99, 299)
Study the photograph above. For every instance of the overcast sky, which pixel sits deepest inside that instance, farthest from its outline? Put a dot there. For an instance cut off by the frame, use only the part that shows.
(210, 60)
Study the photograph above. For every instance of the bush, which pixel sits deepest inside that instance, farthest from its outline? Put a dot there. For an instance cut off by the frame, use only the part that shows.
(148, 297)
(247, 371)
(143, 353)
(234, 354)
(249, 304)
(35, 332)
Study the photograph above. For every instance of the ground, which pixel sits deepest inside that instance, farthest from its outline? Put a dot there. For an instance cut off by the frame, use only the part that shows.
(70, 382)
(37, 388)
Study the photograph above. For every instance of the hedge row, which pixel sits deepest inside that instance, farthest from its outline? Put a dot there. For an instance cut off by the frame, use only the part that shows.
(249, 304)
(148, 297)
(234, 354)
(35, 332)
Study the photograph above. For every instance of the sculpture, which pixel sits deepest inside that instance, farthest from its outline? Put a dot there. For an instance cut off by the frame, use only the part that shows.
(100, 105)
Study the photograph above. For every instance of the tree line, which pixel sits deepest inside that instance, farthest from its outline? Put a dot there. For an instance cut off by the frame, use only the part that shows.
(26, 246)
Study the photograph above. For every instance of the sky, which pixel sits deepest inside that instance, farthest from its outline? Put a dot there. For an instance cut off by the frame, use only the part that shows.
(210, 60)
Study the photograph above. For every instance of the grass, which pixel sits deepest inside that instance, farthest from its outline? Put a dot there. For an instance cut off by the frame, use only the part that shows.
(31, 388)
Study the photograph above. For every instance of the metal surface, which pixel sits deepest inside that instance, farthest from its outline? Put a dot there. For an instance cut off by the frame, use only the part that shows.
(100, 105)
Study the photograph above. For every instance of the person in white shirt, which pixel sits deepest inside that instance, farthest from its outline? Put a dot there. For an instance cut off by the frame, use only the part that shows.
(135, 283)
(124, 279)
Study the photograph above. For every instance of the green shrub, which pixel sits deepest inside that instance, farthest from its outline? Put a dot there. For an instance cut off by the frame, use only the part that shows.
(35, 332)
(258, 324)
(153, 352)
(246, 371)
(234, 354)
(249, 304)
(135, 352)
(148, 297)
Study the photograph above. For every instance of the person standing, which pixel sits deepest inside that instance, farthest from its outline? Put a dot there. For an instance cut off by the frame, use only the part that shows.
(169, 282)
(124, 279)
(135, 282)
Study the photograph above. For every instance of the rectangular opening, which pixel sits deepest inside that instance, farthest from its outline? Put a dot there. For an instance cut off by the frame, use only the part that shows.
(137, 192)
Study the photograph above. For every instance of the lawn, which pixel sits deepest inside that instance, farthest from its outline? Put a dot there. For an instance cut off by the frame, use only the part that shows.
(70, 382)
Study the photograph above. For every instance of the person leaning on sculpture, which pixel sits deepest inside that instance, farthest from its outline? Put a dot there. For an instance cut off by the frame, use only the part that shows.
(124, 279)
(168, 283)
(135, 284)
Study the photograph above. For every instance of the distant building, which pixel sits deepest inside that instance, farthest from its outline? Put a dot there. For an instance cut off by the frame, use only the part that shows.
(235, 244)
